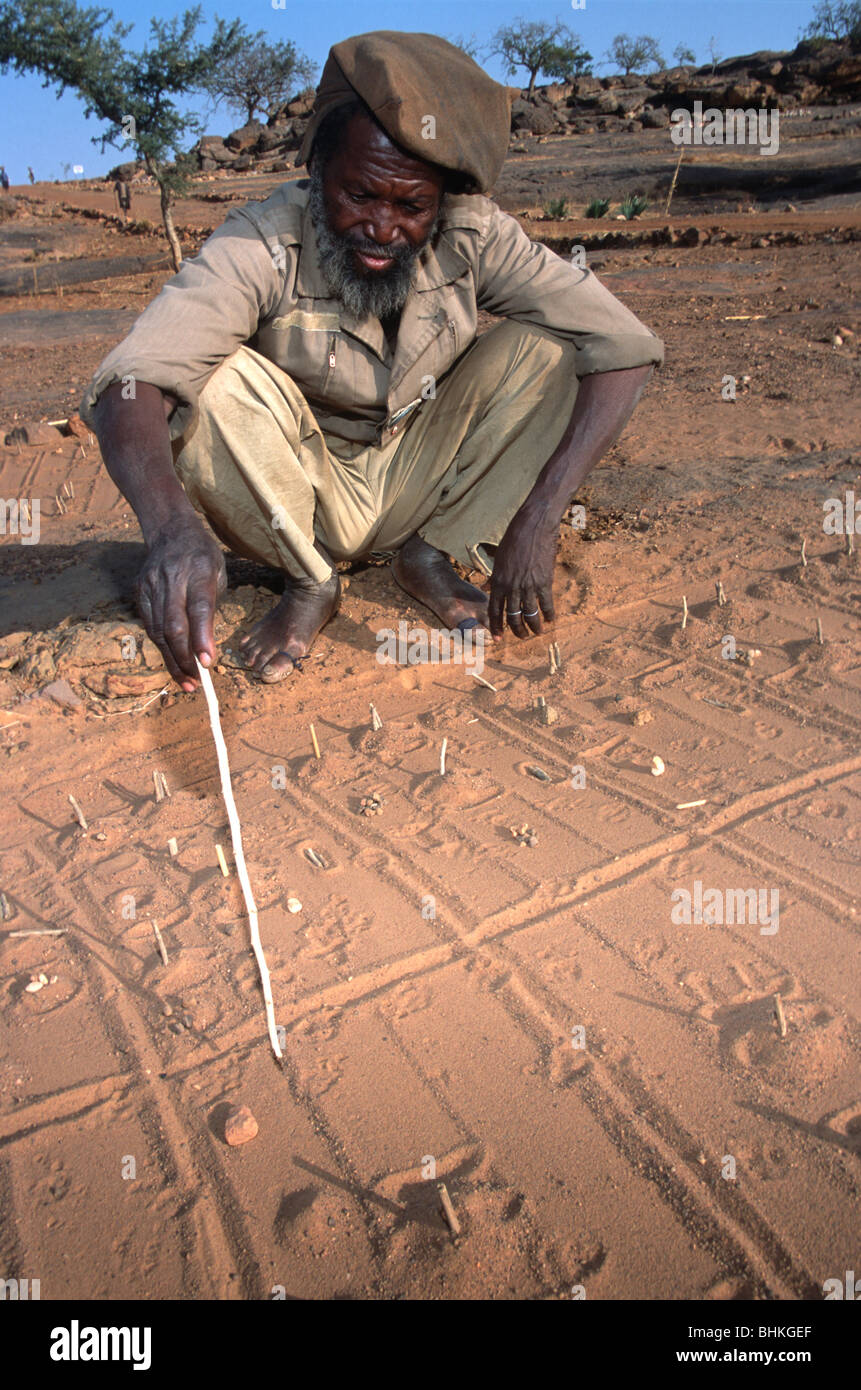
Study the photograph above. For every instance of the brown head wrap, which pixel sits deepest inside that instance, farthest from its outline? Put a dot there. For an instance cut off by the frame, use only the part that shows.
(406, 79)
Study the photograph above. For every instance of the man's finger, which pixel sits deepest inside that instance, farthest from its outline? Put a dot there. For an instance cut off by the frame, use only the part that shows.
(514, 614)
(152, 611)
(545, 598)
(496, 610)
(200, 607)
(531, 611)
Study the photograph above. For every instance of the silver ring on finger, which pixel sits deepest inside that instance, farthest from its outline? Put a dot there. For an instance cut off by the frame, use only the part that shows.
(513, 612)
(531, 615)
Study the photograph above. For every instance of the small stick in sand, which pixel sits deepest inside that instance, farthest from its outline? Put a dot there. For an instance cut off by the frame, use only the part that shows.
(448, 1210)
(159, 793)
(239, 856)
(376, 721)
(721, 596)
(684, 612)
(820, 639)
(222, 862)
(162, 784)
(5, 908)
(173, 847)
(159, 941)
(686, 805)
(315, 743)
(780, 1015)
(315, 858)
(442, 757)
(553, 667)
(79, 815)
(850, 543)
(558, 656)
(60, 508)
(804, 552)
(71, 486)
(40, 931)
(482, 681)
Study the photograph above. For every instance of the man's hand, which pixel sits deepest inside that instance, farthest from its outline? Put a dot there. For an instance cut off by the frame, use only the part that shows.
(177, 591)
(521, 589)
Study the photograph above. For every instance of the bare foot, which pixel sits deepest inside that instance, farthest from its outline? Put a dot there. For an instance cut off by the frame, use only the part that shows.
(426, 575)
(276, 644)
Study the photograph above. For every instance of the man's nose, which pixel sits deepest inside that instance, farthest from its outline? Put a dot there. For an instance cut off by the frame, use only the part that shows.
(380, 227)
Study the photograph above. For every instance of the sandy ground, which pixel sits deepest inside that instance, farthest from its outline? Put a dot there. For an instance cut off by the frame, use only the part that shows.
(604, 1090)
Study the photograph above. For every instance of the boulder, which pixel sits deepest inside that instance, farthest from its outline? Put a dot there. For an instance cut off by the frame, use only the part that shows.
(8, 206)
(302, 105)
(526, 116)
(557, 92)
(584, 87)
(36, 432)
(272, 137)
(126, 172)
(242, 163)
(213, 147)
(206, 165)
(245, 138)
(652, 118)
(609, 104)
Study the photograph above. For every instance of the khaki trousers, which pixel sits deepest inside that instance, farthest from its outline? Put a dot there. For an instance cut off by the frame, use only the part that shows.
(257, 465)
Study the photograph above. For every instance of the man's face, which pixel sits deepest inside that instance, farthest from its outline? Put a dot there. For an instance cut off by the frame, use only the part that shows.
(374, 207)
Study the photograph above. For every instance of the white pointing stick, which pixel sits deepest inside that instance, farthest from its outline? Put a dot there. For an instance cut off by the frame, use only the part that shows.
(238, 854)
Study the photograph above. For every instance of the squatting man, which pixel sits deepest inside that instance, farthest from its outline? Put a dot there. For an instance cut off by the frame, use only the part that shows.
(312, 384)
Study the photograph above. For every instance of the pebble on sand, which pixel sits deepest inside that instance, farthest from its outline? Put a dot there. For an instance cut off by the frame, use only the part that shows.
(240, 1126)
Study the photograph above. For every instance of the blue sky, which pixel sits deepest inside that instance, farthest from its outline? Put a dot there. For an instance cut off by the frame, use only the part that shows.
(38, 129)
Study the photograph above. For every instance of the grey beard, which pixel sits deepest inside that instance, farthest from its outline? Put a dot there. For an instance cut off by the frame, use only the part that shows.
(380, 295)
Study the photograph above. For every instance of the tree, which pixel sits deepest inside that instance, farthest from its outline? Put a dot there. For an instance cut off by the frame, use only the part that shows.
(836, 19)
(684, 56)
(471, 46)
(549, 48)
(632, 55)
(82, 50)
(714, 53)
(262, 76)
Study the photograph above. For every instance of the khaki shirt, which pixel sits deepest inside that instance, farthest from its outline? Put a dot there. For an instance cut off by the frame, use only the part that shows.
(257, 280)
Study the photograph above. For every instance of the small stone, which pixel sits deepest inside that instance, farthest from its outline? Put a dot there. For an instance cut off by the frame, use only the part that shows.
(167, 1010)
(657, 768)
(538, 773)
(187, 1020)
(837, 341)
(641, 716)
(240, 1126)
(294, 905)
(176, 1026)
(61, 693)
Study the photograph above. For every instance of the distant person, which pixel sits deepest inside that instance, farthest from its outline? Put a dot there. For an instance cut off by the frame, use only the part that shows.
(30, 175)
(124, 197)
(4, 178)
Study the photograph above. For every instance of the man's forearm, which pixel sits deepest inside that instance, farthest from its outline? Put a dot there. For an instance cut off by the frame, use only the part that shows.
(135, 443)
(605, 402)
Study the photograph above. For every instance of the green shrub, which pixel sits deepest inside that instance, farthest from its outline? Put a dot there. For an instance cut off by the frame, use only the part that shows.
(598, 207)
(556, 208)
(633, 205)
